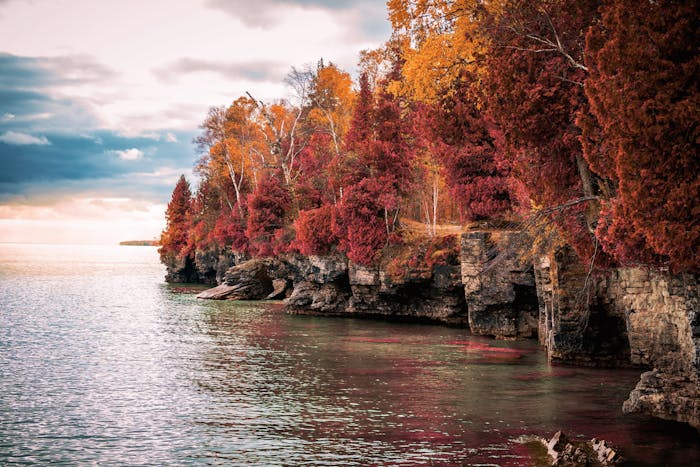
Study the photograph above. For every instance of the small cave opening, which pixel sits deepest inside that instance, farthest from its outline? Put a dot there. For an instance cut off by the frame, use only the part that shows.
(527, 307)
(605, 338)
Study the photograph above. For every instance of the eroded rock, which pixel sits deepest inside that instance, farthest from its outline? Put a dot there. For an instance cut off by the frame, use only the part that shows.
(565, 452)
(499, 287)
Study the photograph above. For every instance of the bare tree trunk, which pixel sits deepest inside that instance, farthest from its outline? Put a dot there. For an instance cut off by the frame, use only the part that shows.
(435, 204)
(426, 214)
(386, 222)
(585, 174)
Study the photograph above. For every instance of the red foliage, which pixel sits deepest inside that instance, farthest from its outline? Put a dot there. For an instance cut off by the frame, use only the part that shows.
(360, 127)
(360, 223)
(618, 236)
(174, 239)
(535, 98)
(472, 159)
(314, 232)
(230, 230)
(644, 137)
(313, 187)
(268, 206)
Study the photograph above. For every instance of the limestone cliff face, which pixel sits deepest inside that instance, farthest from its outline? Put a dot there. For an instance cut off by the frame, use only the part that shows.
(333, 286)
(319, 284)
(498, 286)
(623, 317)
(180, 270)
(579, 323)
(209, 266)
(626, 316)
(435, 293)
(212, 264)
(663, 318)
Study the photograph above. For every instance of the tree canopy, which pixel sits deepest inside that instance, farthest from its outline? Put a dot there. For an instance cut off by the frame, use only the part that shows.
(581, 113)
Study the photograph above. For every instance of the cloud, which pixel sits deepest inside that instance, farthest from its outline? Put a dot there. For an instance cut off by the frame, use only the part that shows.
(129, 154)
(44, 71)
(250, 71)
(367, 17)
(97, 163)
(22, 139)
(30, 104)
(89, 94)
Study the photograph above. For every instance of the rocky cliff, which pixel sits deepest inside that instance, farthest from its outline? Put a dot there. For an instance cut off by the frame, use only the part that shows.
(622, 317)
(209, 266)
(626, 317)
(334, 286)
(499, 286)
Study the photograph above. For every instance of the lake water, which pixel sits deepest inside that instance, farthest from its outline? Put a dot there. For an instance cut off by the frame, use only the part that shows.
(101, 362)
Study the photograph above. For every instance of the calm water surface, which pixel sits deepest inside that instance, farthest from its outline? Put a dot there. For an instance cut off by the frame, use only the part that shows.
(103, 363)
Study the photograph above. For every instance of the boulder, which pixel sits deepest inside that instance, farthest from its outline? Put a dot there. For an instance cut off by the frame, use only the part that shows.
(246, 281)
(564, 452)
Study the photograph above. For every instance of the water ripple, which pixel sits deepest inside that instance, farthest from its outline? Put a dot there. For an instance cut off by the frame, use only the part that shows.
(101, 363)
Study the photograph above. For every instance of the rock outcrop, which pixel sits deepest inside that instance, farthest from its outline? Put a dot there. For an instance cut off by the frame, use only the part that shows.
(180, 270)
(663, 316)
(564, 452)
(246, 281)
(433, 293)
(579, 323)
(212, 264)
(207, 267)
(319, 284)
(332, 286)
(626, 317)
(498, 286)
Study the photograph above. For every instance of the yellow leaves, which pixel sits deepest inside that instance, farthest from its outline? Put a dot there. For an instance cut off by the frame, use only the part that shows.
(333, 99)
(440, 40)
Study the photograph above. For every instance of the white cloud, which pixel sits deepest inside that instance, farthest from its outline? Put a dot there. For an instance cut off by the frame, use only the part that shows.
(6, 117)
(141, 42)
(23, 139)
(171, 138)
(129, 154)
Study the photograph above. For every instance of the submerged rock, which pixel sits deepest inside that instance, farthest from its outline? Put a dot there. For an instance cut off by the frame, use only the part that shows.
(564, 452)
(220, 292)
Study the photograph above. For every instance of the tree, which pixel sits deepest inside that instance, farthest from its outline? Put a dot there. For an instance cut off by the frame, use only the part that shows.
(314, 231)
(473, 160)
(174, 239)
(268, 207)
(440, 41)
(332, 100)
(644, 134)
(231, 145)
(360, 221)
(535, 93)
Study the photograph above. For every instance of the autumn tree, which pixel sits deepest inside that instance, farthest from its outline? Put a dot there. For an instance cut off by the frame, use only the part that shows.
(174, 239)
(643, 135)
(360, 221)
(440, 39)
(331, 101)
(268, 208)
(534, 93)
(470, 147)
(314, 231)
(231, 145)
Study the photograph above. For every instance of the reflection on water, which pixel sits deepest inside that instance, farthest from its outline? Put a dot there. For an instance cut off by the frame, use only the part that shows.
(100, 362)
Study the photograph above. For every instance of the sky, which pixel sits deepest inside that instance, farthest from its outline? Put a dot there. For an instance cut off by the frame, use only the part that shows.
(100, 100)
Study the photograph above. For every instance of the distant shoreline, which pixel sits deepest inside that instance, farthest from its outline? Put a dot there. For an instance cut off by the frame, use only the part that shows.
(139, 243)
